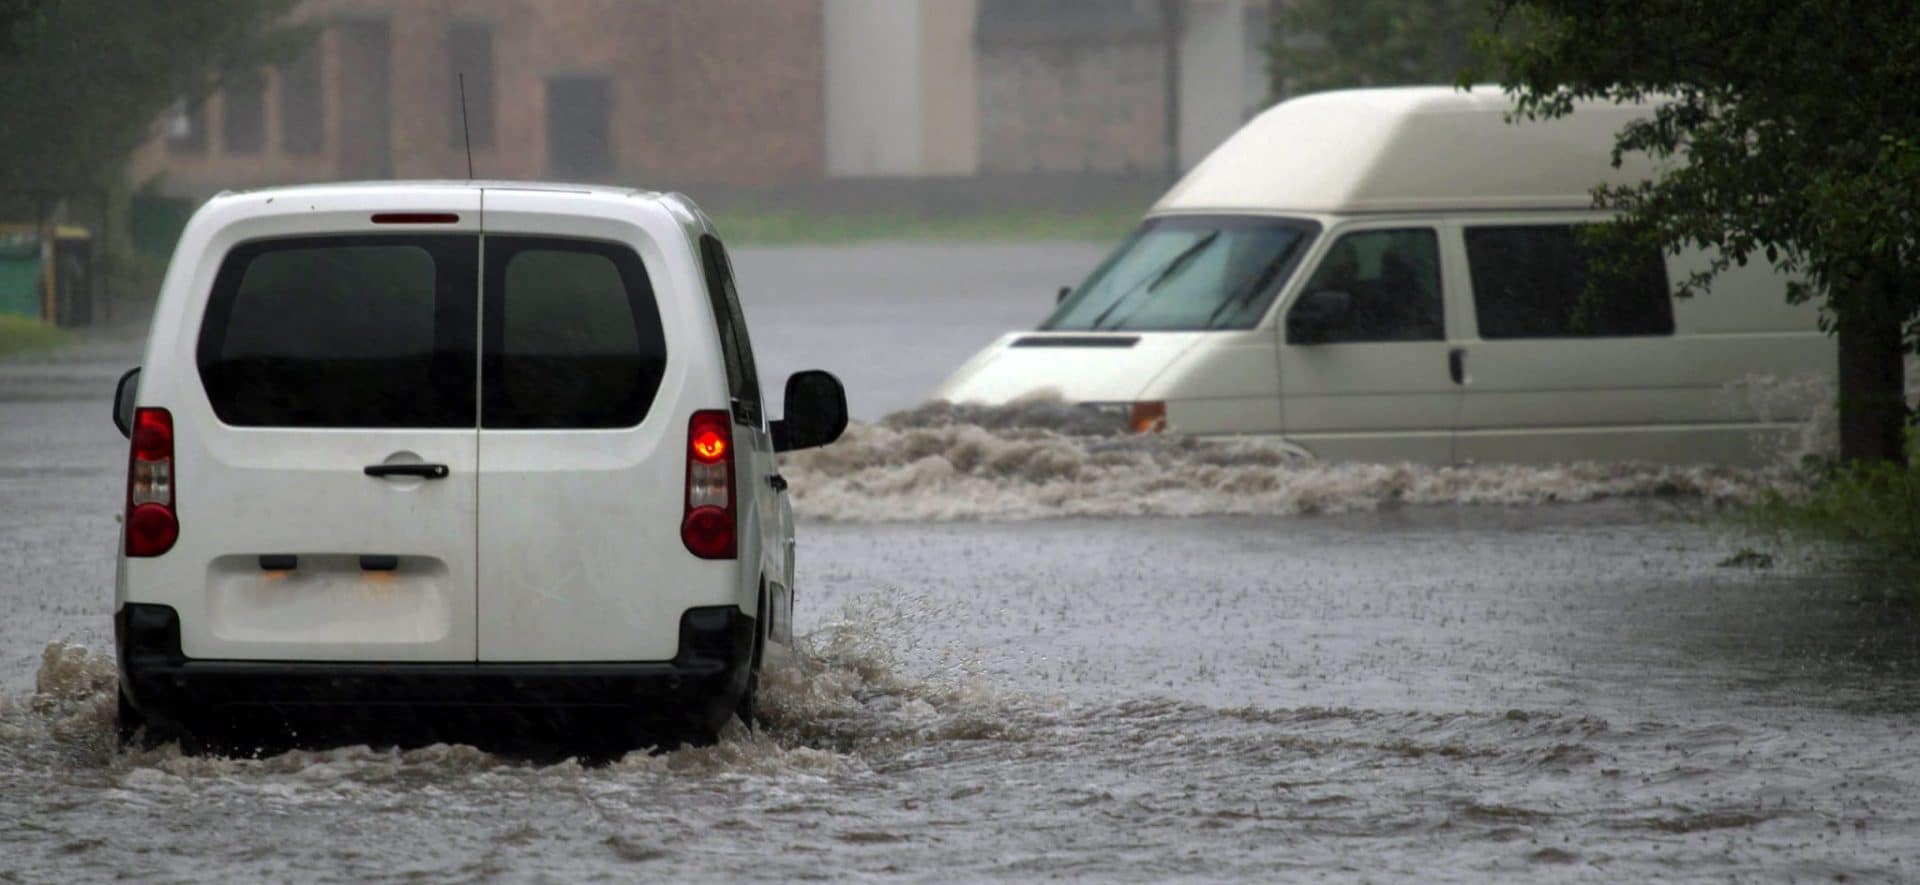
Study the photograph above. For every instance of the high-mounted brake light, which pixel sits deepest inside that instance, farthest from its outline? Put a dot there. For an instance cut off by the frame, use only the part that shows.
(416, 218)
(708, 528)
(152, 524)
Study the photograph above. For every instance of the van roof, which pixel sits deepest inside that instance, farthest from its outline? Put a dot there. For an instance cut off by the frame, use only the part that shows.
(1409, 149)
(395, 194)
(451, 184)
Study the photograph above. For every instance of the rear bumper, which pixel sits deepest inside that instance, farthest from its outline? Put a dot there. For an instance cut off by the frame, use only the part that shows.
(698, 689)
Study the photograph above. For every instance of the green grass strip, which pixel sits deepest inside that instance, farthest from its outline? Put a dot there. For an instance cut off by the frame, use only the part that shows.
(20, 335)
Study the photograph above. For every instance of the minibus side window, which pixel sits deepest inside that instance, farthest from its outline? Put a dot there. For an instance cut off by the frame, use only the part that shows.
(1392, 282)
(1538, 281)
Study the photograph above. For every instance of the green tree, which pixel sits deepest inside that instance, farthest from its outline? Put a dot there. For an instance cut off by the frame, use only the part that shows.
(1791, 135)
(1331, 44)
(83, 81)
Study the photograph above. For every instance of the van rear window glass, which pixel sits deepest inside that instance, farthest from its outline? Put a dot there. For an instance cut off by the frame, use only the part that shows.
(1541, 281)
(573, 336)
(743, 379)
(359, 331)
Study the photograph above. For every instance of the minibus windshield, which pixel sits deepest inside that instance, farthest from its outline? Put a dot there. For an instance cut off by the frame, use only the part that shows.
(1188, 273)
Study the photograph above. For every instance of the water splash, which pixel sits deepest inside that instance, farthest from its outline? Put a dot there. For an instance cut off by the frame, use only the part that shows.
(840, 698)
(1041, 459)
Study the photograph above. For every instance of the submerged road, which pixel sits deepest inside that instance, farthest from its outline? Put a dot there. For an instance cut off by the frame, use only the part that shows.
(1425, 693)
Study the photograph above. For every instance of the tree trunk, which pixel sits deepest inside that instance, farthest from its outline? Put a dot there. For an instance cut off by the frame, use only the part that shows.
(1873, 396)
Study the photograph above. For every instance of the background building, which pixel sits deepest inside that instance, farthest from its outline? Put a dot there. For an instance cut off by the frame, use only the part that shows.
(740, 95)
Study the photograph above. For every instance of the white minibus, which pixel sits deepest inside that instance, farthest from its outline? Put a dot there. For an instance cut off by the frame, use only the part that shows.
(1397, 275)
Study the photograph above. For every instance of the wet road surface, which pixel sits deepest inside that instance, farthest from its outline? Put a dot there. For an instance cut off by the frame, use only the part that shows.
(1432, 692)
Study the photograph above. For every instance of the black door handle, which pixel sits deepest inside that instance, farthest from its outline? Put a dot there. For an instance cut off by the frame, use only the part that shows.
(1457, 365)
(424, 471)
(778, 482)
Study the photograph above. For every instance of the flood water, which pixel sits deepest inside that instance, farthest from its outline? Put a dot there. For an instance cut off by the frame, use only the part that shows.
(1259, 669)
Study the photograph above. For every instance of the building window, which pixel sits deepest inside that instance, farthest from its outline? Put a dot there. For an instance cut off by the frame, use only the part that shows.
(302, 106)
(243, 119)
(187, 129)
(579, 127)
(470, 49)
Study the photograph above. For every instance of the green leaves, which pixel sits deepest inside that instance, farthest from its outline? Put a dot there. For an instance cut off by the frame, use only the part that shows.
(82, 82)
(1792, 122)
(1789, 129)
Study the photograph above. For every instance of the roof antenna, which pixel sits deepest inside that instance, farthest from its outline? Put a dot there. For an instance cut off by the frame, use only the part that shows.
(465, 136)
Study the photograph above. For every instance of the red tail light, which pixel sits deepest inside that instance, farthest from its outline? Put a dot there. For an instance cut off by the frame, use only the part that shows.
(152, 525)
(708, 527)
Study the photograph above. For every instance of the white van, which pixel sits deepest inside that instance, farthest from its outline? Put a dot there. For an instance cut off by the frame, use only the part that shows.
(439, 452)
(1394, 274)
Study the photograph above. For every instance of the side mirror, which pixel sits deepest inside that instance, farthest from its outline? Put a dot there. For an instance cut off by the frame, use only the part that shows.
(124, 395)
(1062, 294)
(816, 412)
(1317, 314)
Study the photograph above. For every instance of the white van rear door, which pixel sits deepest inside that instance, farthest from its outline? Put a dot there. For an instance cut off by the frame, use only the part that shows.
(1378, 386)
(327, 478)
(584, 423)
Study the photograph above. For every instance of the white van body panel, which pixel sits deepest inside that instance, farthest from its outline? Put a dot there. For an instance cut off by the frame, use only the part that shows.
(1073, 366)
(1668, 398)
(1447, 161)
(1413, 149)
(250, 491)
(573, 523)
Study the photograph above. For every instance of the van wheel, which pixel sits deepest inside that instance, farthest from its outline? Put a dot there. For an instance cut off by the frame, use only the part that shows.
(127, 723)
(134, 730)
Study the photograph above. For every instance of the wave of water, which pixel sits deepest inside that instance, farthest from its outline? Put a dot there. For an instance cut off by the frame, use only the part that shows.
(840, 696)
(1042, 459)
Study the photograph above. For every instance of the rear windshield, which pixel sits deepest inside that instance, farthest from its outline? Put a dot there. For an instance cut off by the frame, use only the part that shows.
(380, 331)
(573, 336)
(1188, 273)
(359, 331)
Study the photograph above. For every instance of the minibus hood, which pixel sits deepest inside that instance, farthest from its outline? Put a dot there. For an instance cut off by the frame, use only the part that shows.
(1080, 367)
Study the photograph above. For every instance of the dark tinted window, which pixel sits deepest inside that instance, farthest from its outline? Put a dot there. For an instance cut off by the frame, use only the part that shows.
(1540, 282)
(1392, 278)
(743, 378)
(343, 332)
(573, 336)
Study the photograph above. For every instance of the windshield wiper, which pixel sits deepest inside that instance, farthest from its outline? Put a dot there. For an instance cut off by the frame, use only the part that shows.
(1179, 261)
(1255, 286)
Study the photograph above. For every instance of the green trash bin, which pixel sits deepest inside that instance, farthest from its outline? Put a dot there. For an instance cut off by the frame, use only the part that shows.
(20, 275)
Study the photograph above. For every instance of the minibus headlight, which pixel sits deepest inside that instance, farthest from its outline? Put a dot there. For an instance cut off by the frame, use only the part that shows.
(1147, 417)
